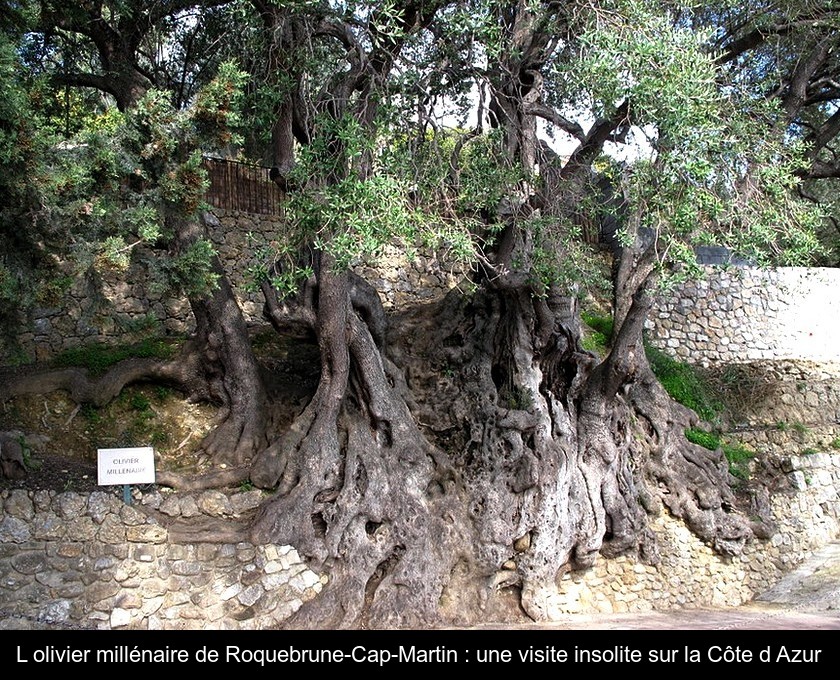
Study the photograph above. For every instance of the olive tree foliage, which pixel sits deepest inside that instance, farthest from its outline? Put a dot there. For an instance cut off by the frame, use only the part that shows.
(458, 452)
(20, 149)
(785, 55)
(125, 47)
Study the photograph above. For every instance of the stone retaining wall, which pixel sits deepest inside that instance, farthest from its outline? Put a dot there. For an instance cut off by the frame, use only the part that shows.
(784, 407)
(123, 306)
(806, 509)
(739, 314)
(69, 560)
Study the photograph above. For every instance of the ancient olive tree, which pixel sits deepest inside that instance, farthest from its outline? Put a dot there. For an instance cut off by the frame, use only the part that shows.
(533, 453)
(457, 450)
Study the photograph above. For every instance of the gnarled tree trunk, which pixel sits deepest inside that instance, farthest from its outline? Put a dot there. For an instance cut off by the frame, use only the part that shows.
(482, 452)
(223, 365)
(361, 491)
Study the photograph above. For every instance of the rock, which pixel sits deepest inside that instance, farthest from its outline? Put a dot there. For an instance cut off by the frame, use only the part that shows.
(12, 464)
(522, 543)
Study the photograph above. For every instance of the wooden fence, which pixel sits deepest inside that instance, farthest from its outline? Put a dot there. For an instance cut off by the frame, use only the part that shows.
(241, 186)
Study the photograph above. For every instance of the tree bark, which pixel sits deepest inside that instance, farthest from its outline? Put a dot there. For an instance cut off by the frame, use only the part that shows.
(224, 359)
(360, 491)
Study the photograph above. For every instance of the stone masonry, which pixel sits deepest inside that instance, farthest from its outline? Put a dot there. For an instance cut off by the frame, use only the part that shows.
(126, 306)
(742, 314)
(70, 560)
(734, 314)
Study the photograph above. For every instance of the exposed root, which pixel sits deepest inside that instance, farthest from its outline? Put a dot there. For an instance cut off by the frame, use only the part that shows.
(691, 481)
(236, 439)
(85, 388)
(211, 480)
(208, 530)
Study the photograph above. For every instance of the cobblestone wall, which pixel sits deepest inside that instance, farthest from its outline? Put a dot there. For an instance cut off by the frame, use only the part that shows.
(743, 314)
(70, 560)
(806, 509)
(117, 306)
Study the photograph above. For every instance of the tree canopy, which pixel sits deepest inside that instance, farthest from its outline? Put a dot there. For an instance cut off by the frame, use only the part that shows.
(703, 109)
(514, 134)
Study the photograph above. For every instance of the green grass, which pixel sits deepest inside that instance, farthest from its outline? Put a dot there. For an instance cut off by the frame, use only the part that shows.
(800, 428)
(600, 332)
(708, 440)
(601, 323)
(99, 358)
(739, 458)
(682, 381)
(140, 402)
(684, 384)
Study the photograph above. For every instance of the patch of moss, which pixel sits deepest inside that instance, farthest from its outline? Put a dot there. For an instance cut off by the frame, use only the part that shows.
(99, 358)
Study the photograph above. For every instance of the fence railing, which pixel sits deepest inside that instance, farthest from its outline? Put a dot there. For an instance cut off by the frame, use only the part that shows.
(245, 187)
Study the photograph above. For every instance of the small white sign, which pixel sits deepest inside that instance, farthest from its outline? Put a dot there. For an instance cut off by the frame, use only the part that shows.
(126, 466)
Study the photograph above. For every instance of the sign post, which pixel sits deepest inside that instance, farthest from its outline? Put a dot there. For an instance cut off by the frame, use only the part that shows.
(125, 466)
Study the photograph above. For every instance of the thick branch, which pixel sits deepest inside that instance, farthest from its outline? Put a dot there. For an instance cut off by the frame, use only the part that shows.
(739, 46)
(594, 141)
(551, 115)
(827, 131)
(802, 74)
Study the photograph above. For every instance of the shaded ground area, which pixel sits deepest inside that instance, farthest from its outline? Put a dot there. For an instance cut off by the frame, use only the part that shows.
(62, 437)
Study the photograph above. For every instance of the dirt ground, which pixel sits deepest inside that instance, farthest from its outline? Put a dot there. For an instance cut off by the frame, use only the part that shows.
(62, 437)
